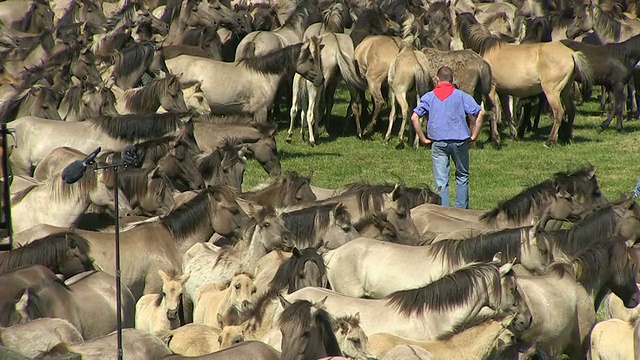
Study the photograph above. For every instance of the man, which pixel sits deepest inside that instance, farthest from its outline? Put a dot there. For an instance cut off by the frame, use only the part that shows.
(448, 133)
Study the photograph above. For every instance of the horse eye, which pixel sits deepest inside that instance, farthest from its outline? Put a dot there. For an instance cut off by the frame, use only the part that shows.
(219, 339)
(355, 341)
(346, 229)
(402, 214)
(238, 340)
(266, 224)
(301, 275)
(237, 286)
(235, 211)
(163, 294)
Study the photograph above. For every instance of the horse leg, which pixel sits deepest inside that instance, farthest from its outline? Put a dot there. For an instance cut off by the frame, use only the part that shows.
(618, 101)
(404, 107)
(329, 92)
(293, 112)
(609, 118)
(378, 103)
(566, 128)
(313, 111)
(504, 105)
(553, 96)
(524, 122)
(393, 96)
(542, 106)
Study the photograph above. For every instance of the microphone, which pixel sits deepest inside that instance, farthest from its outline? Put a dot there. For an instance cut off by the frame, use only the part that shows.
(74, 171)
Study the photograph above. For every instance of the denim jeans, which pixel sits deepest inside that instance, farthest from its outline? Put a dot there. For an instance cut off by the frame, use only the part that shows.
(441, 153)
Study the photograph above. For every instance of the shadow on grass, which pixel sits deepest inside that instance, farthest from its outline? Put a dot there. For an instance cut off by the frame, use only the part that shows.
(291, 155)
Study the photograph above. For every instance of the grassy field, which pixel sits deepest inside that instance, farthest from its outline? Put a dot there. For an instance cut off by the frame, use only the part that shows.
(495, 174)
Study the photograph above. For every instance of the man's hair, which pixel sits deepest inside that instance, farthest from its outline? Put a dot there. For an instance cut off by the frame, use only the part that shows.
(445, 74)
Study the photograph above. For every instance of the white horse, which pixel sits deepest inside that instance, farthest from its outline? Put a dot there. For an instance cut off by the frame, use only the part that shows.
(369, 268)
(54, 202)
(156, 313)
(612, 339)
(428, 312)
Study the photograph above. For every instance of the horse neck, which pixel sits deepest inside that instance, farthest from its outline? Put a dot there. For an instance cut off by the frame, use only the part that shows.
(477, 340)
(252, 252)
(601, 30)
(271, 194)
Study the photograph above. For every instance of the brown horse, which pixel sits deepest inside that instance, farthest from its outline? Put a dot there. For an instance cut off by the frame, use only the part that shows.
(552, 72)
(13, 285)
(225, 165)
(285, 190)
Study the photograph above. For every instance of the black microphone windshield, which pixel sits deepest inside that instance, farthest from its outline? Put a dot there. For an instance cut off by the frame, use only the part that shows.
(73, 172)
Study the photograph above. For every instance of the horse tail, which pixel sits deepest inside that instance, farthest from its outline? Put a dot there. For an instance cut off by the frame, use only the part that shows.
(349, 72)
(421, 79)
(486, 82)
(582, 68)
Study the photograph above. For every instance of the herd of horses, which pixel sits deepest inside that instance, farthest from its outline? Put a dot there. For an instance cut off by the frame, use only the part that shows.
(289, 270)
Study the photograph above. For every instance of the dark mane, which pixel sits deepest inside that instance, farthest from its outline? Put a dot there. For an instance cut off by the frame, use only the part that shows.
(416, 195)
(452, 290)
(190, 216)
(482, 247)
(172, 11)
(129, 59)
(298, 316)
(276, 62)
(476, 36)
(606, 22)
(267, 129)
(73, 98)
(370, 197)
(538, 30)
(147, 98)
(50, 251)
(136, 127)
(520, 206)
(305, 13)
(305, 223)
(369, 22)
(290, 268)
(134, 182)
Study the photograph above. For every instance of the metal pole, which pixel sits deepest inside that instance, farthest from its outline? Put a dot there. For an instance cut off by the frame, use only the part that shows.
(6, 196)
(118, 274)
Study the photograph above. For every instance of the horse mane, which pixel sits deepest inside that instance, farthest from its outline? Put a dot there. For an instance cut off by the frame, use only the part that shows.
(37, 306)
(50, 251)
(74, 97)
(190, 216)
(172, 11)
(367, 193)
(538, 30)
(59, 190)
(333, 17)
(480, 248)
(519, 207)
(475, 35)
(416, 195)
(145, 99)
(483, 321)
(305, 223)
(134, 182)
(210, 164)
(127, 60)
(606, 22)
(290, 268)
(135, 127)
(299, 317)
(302, 15)
(47, 95)
(452, 290)
(289, 177)
(276, 62)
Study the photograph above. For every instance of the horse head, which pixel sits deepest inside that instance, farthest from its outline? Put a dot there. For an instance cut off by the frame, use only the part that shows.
(157, 196)
(227, 216)
(171, 293)
(309, 64)
(398, 212)
(232, 334)
(171, 96)
(103, 193)
(340, 229)
(242, 291)
(353, 341)
(269, 231)
(582, 20)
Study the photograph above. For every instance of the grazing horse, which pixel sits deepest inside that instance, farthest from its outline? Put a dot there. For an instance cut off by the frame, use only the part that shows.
(157, 313)
(225, 165)
(431, 311)
(282, 191)
(307, 331)
(212, 304)
(534, 77)
(106, 131)
(65, 253)
(359, 276)
(259, 138)
(165, 92)
(37, 100)
(65, 203)
(136, 344)
(475, 343)
(36, 336)
(255, 79)
(86, 300)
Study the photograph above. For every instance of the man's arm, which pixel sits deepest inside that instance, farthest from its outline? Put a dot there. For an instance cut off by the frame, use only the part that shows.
(415, 120)
(477, 125)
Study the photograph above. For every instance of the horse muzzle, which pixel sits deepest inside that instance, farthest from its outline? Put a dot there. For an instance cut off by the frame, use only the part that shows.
(172, 314)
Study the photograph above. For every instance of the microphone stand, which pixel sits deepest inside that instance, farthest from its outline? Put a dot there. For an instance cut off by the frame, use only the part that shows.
(116, 167)
(6, 195)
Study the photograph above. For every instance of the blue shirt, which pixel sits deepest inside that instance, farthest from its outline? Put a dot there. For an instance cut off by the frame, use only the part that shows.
(448, 117)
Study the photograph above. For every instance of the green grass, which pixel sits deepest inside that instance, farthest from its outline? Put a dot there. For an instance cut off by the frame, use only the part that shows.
(495, 174)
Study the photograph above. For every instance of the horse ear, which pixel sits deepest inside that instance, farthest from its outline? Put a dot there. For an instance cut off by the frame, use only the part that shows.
(23, 301)
(296, 252)
(284, 302)
(163, 275)
(357, 316)
(320, 304)
(535, 225)
(71, 242)
(220, 320)
(591, 172)
(505, 269)
(320, 47)
(396, 191)
(183, 278)
(497, 258)
(155, 173)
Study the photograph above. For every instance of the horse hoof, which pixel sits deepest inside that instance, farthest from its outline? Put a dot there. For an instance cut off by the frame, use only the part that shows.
(289, 140)
(621, 131)
(548, 144)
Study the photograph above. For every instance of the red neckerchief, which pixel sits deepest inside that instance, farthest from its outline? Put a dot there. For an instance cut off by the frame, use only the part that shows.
(443, 90)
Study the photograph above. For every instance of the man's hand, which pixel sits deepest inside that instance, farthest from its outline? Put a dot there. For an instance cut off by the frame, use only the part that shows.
(426, 141)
